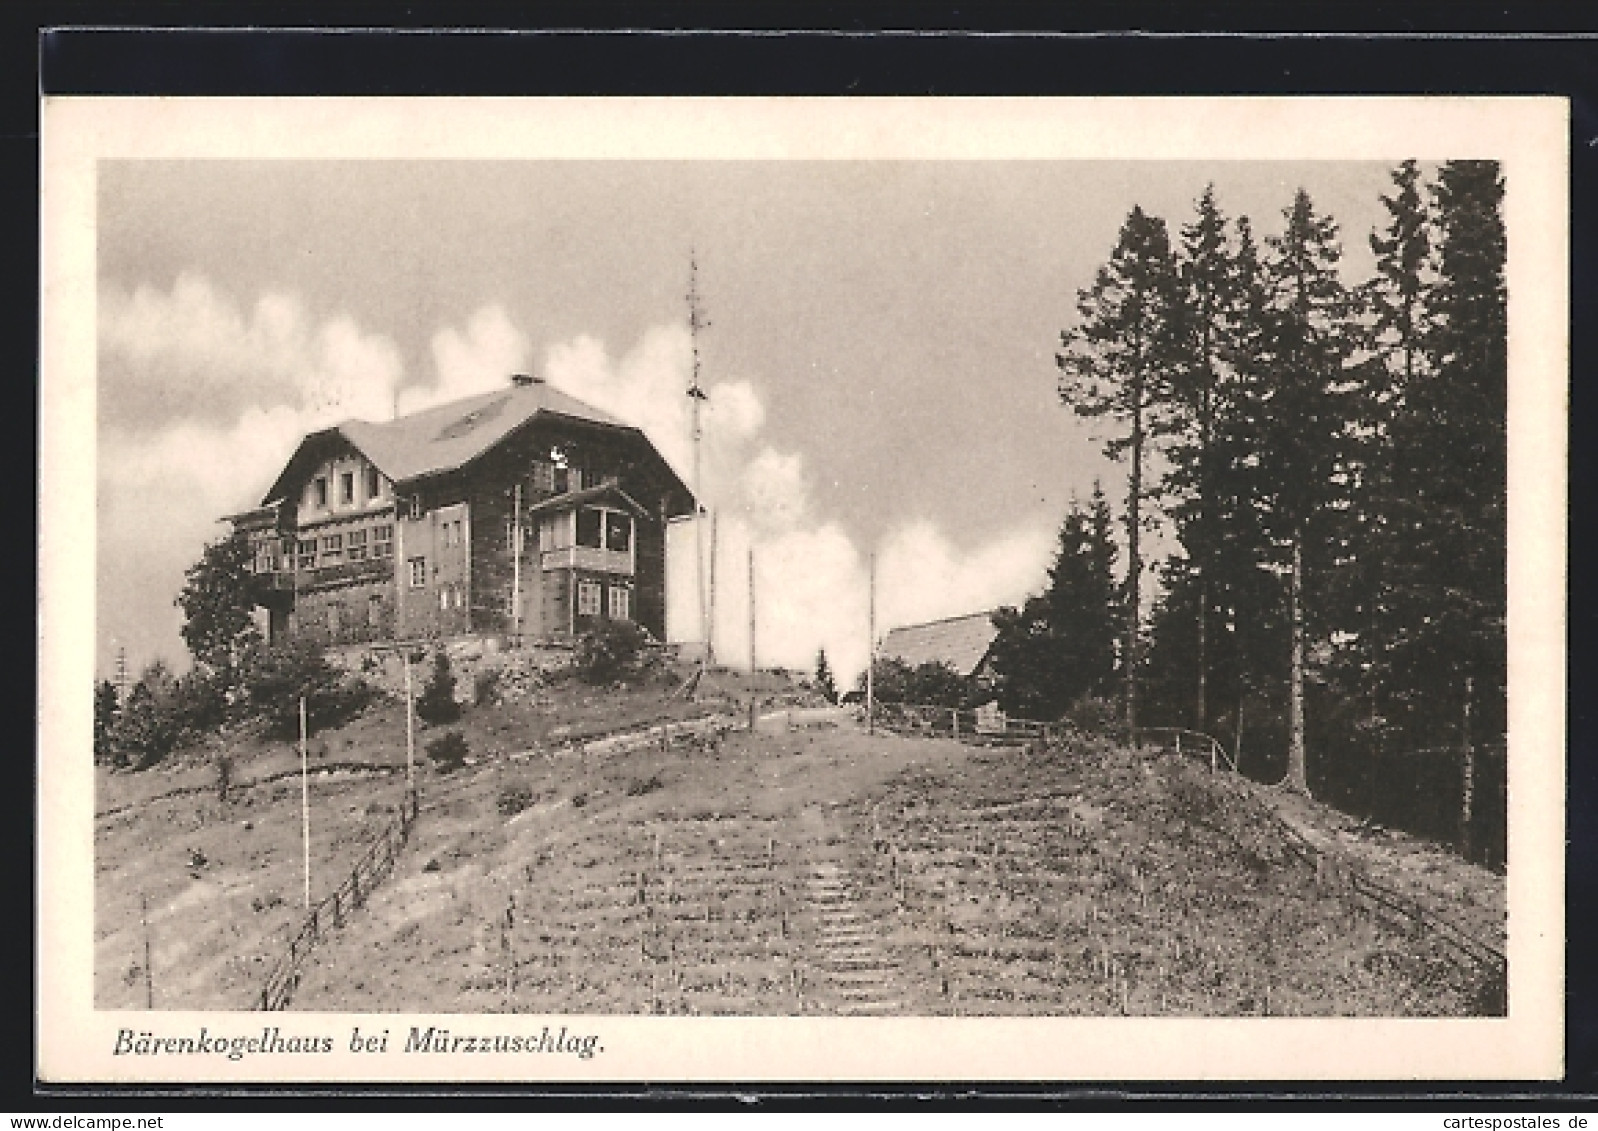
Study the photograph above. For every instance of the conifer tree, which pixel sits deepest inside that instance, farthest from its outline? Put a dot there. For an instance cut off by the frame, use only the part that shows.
(825, 683)
(1309, 345)
(1060, 646)
(1450, 454)
(1207, 290)
(1117, 364)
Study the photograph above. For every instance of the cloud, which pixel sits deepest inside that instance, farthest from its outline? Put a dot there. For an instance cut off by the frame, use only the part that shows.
(477, 361)
(195, 352)
(811, 578)
(202, 399)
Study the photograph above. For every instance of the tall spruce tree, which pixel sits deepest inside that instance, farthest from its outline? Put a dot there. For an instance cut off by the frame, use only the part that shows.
(1450, 454)
(1206, 278)
(1117, 364)
(1396, 315)
(1251, 634)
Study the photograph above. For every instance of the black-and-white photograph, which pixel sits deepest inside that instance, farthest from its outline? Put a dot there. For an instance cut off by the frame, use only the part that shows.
(798, 588)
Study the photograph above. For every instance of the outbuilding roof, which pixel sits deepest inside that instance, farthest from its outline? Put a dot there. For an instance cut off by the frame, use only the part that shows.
(961, 642)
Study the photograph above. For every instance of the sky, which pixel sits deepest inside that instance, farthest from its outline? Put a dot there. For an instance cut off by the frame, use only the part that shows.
(879, 355)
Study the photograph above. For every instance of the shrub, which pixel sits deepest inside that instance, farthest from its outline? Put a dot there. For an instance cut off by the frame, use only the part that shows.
(515, 797)
(1092, 715)
(437, 704)
(448, 751)
(640, 786)
(611, 652)
(486, 686)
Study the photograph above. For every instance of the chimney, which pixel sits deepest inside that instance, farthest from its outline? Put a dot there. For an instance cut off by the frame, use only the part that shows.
(525, 380)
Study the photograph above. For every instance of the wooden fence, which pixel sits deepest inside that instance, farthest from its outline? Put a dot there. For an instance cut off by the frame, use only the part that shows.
(369, 871)
(974, 726)
(1332, 869)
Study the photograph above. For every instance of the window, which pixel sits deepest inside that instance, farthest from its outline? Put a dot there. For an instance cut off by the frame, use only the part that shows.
(307, 553)
(374, 483)
(443, 598)
(543, 476)
(618, 531)
(562, 480)
(620, 602)
(319, 488)
(374, 610)
(588, 527)
(418, 572)
(588, 598)
(383, 541)
(332, 549)
(414, 508)
(346, 488)
(357, 545)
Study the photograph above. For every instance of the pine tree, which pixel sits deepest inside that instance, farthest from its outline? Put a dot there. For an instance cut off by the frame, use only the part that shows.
(1395, 304)
(1117, 363)
(825, 682)
(1208, 293)
(105, 719)
(1309, 344)
(1060, 646)
(1246, 596)
(1450, 455)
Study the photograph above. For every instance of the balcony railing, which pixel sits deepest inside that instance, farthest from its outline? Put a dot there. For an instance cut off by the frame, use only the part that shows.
(373, 569)
(589, 558)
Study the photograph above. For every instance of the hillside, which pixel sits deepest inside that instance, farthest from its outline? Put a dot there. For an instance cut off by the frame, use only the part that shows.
(803, 871)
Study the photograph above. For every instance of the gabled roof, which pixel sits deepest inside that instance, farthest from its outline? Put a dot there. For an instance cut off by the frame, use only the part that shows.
(607, 491)
(961, 642)
(448, 436)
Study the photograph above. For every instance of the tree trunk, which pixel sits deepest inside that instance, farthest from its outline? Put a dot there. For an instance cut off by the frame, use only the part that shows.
(1297, 764)
(1134, 565)
(1204, 601)
(1467, 791)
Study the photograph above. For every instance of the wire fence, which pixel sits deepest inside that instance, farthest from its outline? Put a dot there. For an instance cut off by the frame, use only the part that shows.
(373, 866)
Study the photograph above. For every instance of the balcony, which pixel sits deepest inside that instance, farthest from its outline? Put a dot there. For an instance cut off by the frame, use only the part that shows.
(373, 569)
(588, 558)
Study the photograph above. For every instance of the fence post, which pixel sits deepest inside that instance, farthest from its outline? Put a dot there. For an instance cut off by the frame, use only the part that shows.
(1467, 790)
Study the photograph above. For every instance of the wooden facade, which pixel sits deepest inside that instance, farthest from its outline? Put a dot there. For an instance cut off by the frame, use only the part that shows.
(409, 530)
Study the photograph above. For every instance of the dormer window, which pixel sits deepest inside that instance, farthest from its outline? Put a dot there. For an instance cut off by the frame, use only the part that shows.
(374, 483)
(346, 488)
(319, 490)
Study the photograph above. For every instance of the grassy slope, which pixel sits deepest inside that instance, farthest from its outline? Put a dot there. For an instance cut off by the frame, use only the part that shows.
(903, 875)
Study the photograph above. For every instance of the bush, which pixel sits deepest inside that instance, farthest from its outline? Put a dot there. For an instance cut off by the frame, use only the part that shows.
(436, 704)
(1092, 715)
(276, 678)
(611, 652)
(448, 751)
(640, 786)
(514, 798)
(486, 686)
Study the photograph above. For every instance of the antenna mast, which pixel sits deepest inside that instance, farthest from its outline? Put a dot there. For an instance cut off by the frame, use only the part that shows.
(696, 396)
